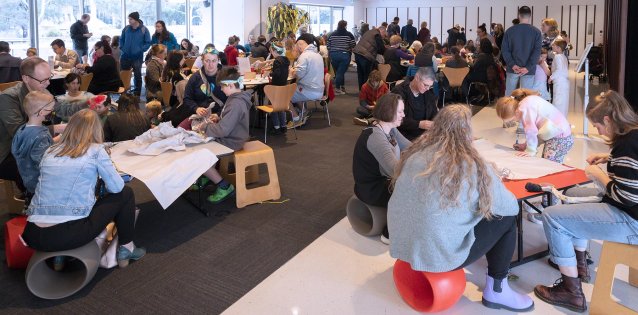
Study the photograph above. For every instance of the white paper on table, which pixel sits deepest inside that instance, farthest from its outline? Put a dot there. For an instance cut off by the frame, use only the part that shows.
(519, 167)
(169, 174)
(244, 65)
(163, 138)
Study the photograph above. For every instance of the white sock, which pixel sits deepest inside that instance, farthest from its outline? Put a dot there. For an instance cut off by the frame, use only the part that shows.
(130, 246)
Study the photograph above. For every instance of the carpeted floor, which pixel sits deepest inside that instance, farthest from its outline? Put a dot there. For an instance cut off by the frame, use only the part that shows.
(198, 264)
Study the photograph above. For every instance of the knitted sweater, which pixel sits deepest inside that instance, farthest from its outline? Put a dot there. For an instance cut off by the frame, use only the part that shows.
(425, 235)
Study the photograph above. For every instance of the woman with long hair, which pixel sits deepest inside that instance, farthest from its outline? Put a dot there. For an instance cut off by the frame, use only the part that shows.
(173, 72)
(549, 28)
(445, 218)
(569, 227)
(481, 31)
(456, 61)
(106, 78)
(64, 213)
(128, 122)
(188, 48)
(154, 69)
(164, 37)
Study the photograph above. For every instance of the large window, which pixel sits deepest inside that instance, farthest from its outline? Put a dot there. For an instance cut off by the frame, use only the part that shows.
(106, 19)
(14, 26)
(54, 20)
(201, 32)
(147, 10)
(322, 18)
(174, 15)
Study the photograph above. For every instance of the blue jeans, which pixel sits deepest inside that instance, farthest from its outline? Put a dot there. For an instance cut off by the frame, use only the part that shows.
(278, 119)
(570, 226)
(364, 67)
(340, 61)
(127, 64)
(81, 52)
(512, 79)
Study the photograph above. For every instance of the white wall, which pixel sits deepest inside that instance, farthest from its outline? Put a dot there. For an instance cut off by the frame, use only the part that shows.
(573, 16)
(228, 20)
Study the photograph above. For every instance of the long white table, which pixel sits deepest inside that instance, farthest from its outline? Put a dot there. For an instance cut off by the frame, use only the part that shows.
(171, 173)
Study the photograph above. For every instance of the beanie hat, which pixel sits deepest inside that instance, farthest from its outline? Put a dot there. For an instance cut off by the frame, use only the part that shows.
(135, 16)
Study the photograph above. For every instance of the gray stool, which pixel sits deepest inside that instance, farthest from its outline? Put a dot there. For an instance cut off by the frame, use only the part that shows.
(46, 283)
(365, 219)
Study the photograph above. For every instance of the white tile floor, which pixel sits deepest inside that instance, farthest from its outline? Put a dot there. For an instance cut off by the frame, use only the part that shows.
(343, 272)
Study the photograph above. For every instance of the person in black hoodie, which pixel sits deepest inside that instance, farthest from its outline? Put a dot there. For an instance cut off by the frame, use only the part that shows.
(202, 88)
(80, 36)
(420, 103)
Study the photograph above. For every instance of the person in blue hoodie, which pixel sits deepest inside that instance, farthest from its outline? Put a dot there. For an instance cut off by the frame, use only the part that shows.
(134, 41)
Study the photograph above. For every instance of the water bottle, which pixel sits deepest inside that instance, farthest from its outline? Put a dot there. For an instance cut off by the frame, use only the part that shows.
(51, 62)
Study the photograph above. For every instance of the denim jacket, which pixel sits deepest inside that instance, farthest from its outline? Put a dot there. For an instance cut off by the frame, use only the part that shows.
(66, 189)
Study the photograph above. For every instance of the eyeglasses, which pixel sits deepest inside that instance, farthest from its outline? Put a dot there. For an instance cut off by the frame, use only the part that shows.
(41, 81)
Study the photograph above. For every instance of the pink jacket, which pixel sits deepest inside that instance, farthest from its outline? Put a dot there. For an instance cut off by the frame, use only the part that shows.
(541, 120)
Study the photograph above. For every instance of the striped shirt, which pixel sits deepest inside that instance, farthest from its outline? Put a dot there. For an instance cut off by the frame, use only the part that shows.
(341, 40)
(622, 168)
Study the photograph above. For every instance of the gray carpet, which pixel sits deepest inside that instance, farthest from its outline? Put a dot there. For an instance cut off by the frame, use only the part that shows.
(198, 264)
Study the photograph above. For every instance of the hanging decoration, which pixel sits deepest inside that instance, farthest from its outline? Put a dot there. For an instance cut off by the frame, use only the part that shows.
(284, 18)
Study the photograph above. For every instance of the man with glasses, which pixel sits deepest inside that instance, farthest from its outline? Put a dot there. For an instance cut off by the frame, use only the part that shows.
(420, 103)
(36, 74)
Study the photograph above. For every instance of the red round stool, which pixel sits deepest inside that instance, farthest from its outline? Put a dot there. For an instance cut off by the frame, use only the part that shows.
(17, 254)
(428, 291)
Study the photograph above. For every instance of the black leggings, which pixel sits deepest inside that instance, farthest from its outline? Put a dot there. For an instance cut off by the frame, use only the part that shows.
(9, 171)
(496, 240)
(118, 207)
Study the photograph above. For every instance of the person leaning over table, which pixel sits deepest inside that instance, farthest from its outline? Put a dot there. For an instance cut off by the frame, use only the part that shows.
(377, 153)
(64, 58)
(393, 56)
(365, 52)
(569, 227)
(309, 71)
(420, 103)
(64, 213)
(106, 78)
(230, 128)
(446, 218)
(425, 57)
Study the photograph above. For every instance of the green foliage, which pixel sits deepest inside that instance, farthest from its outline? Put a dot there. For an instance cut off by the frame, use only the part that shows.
(284, 18)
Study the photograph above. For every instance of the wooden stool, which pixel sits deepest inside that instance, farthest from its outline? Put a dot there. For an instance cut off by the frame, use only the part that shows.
(253, 154)
(252, 172)
(611, 255)
(13, 206)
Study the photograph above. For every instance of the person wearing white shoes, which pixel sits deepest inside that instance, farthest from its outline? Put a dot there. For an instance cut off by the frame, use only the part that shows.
(449, 208)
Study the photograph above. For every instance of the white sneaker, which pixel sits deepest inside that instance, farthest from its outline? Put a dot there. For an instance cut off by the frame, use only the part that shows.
(339, 92)
(385, 240)
(529, 209)
(535, 218)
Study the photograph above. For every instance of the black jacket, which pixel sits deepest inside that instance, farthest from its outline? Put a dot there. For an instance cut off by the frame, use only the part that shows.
(78, 29)
(415, 112)
(105, 75)
(9, 68)
(259, 50)
(279, 73)
(478, 71)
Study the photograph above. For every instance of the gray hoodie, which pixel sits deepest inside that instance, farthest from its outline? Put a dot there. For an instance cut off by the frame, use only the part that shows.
(232, 128)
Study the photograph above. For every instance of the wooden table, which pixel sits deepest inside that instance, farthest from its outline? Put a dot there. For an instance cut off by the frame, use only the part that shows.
(562, 181)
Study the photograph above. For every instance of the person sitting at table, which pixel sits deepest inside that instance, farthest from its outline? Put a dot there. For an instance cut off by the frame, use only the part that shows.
(32, 52)
(415, 48)
(426, 58)
(371, 91)
(309, 72)
(174, 73)
(393, 56)
(164, 37)
(106, 78)
(33, 139)
(74, 100)
(202, 88)
(128, 122)
(377, 153)
(469, 48)
(569, 227)
(64, 213)
(259, 50)
(456, 61)
(230, 128)
(188, 48)
(101, 104)
(459, 214)
(484, 68)
(279, 77)
(178, 113)
(153, 111)
(154, 68)
(64, 58)
(9, 65)
(420, 102)
(198, 64)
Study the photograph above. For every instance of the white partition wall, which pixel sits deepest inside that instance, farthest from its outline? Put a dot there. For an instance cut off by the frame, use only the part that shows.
(583, 20)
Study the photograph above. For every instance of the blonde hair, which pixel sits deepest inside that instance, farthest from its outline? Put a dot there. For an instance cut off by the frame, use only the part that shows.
(622, 116)
(450, 140)
(83, 130)
(507, 106)
(154, 107)
(32, 51)
(395, 39)
(553, 27)
(35, 101)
